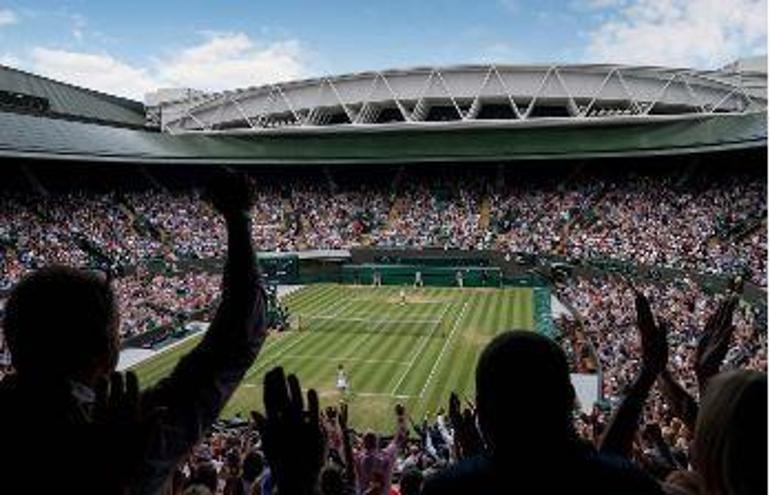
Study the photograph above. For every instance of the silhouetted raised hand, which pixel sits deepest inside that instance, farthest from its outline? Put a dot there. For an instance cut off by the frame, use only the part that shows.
(229, 193)
(400, 411)
(653, 336)
(342, 416)
(122, 429)
(714, 342)
(467, 437)
(654, 436)
(618, 437)
(682, 404)
(712, 347)
(292, 436)
(347, 447)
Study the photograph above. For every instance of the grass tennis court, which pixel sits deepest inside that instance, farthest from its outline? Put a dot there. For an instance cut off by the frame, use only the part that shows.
(415, 353)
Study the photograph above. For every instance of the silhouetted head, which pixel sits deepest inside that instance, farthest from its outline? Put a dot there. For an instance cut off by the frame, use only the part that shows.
(729, 450)
(205, 474)
(411, 482)
(62, 323)
(370, 440)
(523, 393)
(376, 483)
(253, 464)
(332, 480)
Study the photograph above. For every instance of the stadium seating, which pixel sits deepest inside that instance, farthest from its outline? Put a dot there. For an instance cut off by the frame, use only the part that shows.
(156, 237)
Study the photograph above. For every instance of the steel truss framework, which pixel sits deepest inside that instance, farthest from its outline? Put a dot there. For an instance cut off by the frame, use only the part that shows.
(469, 96)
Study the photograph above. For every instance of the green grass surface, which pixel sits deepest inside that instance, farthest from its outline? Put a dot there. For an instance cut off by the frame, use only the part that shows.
(414, 353)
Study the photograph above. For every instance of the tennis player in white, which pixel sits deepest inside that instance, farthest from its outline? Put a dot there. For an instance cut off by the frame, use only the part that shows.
(342, 380)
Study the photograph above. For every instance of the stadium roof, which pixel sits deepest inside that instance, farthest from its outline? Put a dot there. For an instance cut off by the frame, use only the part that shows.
(460, 113)
(24, 92)
(27, 136)
(470, 95)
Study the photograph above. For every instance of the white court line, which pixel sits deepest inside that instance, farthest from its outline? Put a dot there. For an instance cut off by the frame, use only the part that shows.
(281, 352)
(443, 349)
(322, 393)
(363, 337)
(345, 304)
(425, 341)
(276, 340)
(384, 319)
(339, 358)
(278, 337)
(381, 394)
(314, 297)
(377, 325)
(290, 346)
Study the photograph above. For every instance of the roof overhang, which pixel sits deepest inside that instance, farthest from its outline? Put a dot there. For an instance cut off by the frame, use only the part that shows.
(24, 136)
(467, 95)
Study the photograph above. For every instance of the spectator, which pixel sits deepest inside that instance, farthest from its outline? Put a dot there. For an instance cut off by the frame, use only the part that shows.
(730, 447)
(411, 482)
(525, 401)
(374, 465)
(61, 326)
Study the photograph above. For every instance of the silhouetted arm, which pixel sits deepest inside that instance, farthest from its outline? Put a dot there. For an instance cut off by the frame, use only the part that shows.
(714, 342)
(654, 436)
(681, 402)
(347, 450)
(420, 429)
(619, 435)
(202, 382)
(292, 436)
(401, 432)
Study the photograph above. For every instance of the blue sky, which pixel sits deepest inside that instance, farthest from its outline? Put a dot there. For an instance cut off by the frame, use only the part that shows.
(132, 47)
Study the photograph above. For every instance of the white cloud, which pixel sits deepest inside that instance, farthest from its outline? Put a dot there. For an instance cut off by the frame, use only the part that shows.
(696, 33)
(96, 71)
(222, 61)
(231, 60)
(9, 60)
(8, 17)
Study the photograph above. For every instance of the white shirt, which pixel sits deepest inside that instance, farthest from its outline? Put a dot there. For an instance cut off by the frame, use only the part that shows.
(342, 380)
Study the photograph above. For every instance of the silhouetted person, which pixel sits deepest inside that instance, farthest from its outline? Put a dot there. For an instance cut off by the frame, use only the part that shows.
(729, 449)
(92, 429)
(524, 401)
(253, 464)
(410, 482)
(332, 481)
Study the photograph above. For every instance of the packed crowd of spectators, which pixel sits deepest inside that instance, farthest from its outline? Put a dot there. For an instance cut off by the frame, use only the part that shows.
(27, 241)
(654, 221)
(231, 459)
(174, 223)
(666, 353)
(607, 319)
(544, 209)
(437, 214)
(306, 216)
(710, 224)
(149, 301)
(321, 219)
